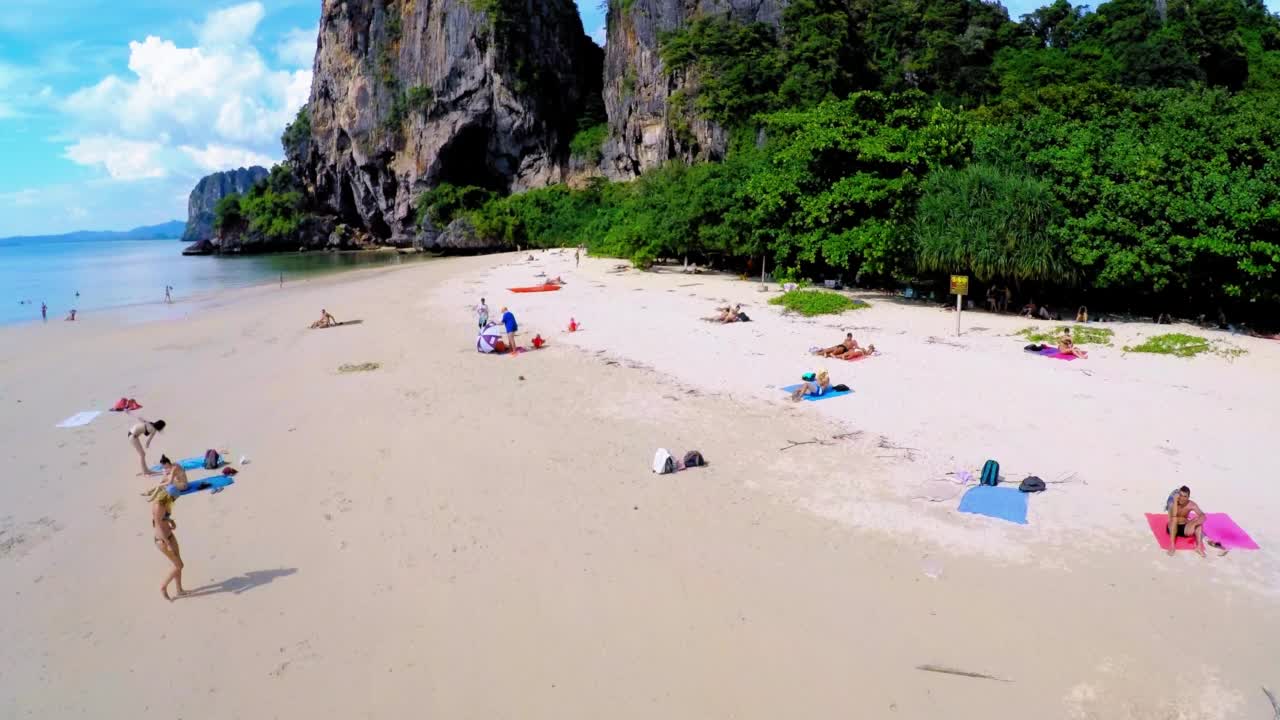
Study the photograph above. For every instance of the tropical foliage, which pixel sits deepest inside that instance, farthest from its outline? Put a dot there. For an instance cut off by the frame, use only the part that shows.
(1128, 155)
(273, 208)
(816, 302)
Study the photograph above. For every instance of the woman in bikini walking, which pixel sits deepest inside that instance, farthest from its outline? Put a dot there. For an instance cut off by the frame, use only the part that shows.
(162, 522)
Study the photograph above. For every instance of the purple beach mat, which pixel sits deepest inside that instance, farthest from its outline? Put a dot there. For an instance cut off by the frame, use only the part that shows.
(1053, 353)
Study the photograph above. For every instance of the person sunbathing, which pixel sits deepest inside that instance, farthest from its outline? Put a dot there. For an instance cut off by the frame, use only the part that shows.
(326, 320)
(818, 387)
(1067, 346)
(857, 352)
(1180, 507)
(726, 314)
(840, 348)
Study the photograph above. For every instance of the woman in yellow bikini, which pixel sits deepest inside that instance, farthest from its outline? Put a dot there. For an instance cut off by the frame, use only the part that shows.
(161, 519)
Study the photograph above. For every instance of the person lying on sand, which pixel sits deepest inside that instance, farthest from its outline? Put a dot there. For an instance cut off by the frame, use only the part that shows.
(857, 352)
(1180, 507)
(817, 387)
(326, 320)
(840, 348)
(1067, 346)
(555, 281)
(728, 315)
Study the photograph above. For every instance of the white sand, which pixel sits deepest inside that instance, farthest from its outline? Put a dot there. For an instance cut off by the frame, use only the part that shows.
(442, 538)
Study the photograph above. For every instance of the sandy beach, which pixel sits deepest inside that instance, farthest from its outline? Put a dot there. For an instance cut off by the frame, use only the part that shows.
(458, 535)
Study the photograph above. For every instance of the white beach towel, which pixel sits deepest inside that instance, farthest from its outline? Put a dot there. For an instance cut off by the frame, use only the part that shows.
(80, 418)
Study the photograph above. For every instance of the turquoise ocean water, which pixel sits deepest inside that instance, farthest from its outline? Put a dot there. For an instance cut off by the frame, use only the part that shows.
(122, 273)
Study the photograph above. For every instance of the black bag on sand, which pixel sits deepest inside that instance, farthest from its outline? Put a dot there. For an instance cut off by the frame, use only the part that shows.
(693, 458)
(840, 388)
(1032, 484)
(1033, 348)
(211, 460)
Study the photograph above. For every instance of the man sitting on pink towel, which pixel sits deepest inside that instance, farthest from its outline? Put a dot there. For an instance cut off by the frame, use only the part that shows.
(1180, 508)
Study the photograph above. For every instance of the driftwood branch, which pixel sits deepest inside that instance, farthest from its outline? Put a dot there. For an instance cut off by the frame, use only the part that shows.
(793, 443)
(961, 673)
(1275, 704)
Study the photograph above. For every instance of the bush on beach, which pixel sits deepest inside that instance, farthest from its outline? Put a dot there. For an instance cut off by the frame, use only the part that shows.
(816, 302)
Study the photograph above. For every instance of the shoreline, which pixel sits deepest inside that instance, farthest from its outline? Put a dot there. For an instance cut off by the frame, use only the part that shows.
(481, 536)
(155, 309)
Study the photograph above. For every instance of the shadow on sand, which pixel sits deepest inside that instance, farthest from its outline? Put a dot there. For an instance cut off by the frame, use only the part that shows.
(240, 583)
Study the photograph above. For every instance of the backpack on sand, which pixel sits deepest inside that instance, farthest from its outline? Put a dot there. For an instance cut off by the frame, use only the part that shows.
(1032, 484)
(211, 460)
(693, 458)
(990, 473)
(663, 463)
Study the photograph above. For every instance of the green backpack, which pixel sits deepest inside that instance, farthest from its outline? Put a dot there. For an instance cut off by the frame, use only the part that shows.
(990, 473)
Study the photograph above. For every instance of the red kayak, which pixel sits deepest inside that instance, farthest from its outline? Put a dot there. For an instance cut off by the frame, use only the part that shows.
(535, 288)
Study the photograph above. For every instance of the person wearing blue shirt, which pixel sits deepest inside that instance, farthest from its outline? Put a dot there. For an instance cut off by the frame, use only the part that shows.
(509, 322)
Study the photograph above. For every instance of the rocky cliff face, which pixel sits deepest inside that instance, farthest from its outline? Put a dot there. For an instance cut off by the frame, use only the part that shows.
(411, 93)
(206, 194)
(637, 87)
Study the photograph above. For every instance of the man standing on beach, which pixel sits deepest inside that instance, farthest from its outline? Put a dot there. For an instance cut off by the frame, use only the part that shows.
(576, 260)
(482, 314)
(44, 312)
(509, 322)
(167, 296)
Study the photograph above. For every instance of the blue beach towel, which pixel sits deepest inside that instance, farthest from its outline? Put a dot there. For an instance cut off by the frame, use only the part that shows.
(192, 463)
(216, 484)
(814, 398)
(1005, 503)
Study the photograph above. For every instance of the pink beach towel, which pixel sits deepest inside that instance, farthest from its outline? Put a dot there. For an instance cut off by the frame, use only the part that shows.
(1052, 352)
(1218, 527)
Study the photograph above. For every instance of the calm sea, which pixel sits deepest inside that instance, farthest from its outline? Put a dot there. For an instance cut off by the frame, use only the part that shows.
(119, 273)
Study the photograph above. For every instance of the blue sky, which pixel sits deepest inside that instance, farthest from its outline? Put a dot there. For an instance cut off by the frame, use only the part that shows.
(111, 110)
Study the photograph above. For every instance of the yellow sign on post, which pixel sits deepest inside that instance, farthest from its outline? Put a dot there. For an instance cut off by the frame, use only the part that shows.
(959, 288)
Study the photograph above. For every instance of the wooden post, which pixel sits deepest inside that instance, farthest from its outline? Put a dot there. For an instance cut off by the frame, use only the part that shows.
(959, 300)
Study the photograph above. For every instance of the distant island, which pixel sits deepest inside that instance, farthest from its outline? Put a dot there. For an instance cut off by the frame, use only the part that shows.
(171, 230)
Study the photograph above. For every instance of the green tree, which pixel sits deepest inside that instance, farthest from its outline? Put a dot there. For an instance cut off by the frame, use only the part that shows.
(991, 223)
(842, 179)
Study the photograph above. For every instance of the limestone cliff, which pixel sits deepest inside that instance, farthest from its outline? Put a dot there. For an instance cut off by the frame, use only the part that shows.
(206, 194)
(638, 88)
(410, 93)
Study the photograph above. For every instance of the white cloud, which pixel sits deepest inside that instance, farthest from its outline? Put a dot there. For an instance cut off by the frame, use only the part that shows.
(298, 47)
(123, 159)
(231, 26)
(197, 109)
(213, 158)
(21, 198)
(105, 204)
(600, 35)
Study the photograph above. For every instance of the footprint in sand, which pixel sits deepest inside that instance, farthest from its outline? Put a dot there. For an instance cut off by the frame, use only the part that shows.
(18, 539)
